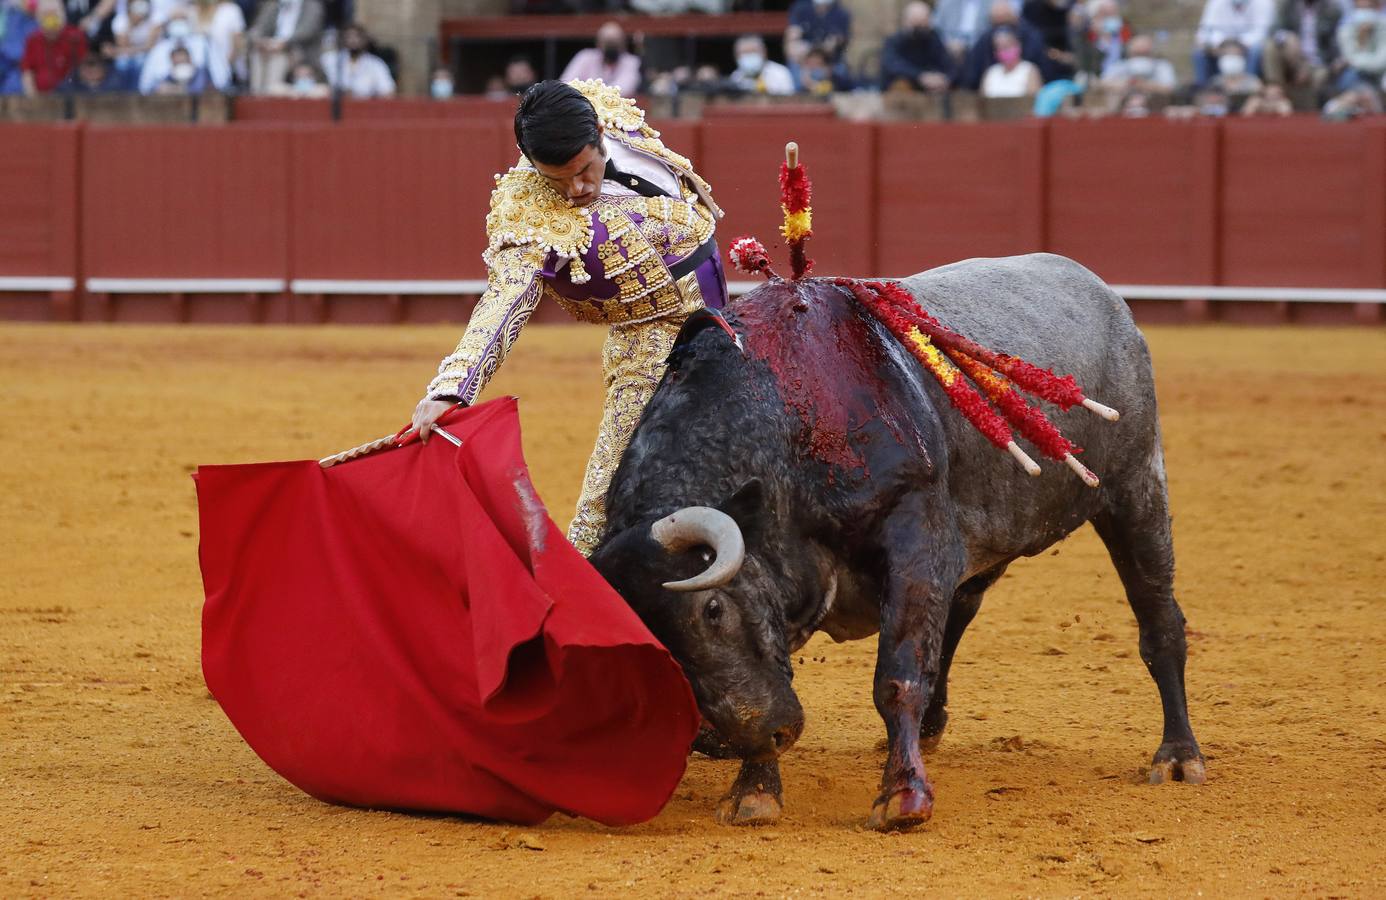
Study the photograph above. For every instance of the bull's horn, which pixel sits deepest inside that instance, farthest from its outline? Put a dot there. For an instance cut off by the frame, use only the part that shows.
(702, 525)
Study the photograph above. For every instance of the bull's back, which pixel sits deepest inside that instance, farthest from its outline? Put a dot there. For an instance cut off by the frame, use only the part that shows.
(1055, 313)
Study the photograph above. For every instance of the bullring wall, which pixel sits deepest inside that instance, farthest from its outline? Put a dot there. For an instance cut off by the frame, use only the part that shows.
(382, 220)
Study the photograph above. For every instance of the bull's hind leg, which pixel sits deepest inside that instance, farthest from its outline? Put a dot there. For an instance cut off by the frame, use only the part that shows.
(966, 601)
(923, 567)
(1136, 530)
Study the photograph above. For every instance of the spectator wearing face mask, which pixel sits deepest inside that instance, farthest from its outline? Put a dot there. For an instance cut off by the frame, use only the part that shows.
(184, 76)
(823, 24)
(441, 85)
(1051, 19)
(1102, 36)
(755, 72)
(304, 82)
(285, 32)
(1141, 70)
(915, 58)
(354, 70)
(817, 77)
(1010, 75)
(16, 24)
(608, 60)
(1248, 22)
(178, 34)
(1235, 78)
(52, 52)
(983, 53)
(1303, 50)
(1362, 41)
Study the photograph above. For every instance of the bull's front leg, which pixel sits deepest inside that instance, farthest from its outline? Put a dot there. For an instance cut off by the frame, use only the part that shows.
(755, 798)
(924, 563)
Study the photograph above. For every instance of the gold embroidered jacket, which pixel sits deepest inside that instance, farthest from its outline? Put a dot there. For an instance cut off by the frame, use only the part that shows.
(607, 262)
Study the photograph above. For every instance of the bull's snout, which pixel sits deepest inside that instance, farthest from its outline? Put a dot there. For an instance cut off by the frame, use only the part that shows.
(767, 741)
(785, 736)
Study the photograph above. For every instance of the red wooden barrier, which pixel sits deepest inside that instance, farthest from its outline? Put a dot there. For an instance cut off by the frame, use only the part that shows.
(1298, 203)
(1135, 200)
(947, 192)
(38, 230)
(281, 109)
(182, 202)
(741, 160)
(426, 110)
(403, 201)
(179, 202)
(1301, 203)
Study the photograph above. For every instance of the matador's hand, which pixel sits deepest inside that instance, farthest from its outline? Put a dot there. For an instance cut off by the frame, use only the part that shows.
(426, 413)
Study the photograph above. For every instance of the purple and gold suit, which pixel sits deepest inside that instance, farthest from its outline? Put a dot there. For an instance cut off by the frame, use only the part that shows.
(621, 261)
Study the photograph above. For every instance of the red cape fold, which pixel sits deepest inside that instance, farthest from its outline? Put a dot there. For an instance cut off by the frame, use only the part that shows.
(410, 630)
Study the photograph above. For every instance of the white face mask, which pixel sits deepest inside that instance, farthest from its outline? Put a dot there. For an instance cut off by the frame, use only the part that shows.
(1232, 64)
(183, 72)
(139, 8)
(441, 89)
(750, 63)
(176, 29)
(1140, 66)
(305, 85)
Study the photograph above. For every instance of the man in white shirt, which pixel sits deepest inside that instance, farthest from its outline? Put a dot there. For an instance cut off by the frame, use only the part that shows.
(756, 73)
(355, 72)
(1248, 22)
(1141, 70)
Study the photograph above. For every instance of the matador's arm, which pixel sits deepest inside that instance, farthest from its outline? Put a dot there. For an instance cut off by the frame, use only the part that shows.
(513, 291)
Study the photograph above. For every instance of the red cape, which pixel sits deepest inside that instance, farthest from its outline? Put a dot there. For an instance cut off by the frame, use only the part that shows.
(410, 630)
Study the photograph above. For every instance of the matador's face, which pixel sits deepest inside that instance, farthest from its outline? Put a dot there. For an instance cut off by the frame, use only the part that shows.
(580, 178)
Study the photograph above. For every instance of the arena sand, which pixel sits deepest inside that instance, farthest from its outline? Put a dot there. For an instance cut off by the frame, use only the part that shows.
(120, 776)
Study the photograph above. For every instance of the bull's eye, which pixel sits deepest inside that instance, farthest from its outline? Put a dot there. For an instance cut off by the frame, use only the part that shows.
(713, 610)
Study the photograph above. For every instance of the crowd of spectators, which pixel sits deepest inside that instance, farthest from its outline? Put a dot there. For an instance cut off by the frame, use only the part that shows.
(279, 47)
(1251, 57)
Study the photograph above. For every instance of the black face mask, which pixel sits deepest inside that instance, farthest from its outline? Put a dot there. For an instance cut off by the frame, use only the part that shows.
(920, 34)
(611, 53)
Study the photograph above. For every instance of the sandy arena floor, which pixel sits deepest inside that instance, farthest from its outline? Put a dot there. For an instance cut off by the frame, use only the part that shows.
(119, 776)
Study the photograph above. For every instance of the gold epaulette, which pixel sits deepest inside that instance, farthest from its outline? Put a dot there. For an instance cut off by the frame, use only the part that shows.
(614, 111)
(525, 210)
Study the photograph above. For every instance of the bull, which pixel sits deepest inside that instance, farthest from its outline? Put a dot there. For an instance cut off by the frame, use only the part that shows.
(817, 480)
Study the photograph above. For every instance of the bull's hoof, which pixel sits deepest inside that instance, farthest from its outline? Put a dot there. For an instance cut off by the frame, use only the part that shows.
(902, 810)
(756, 808)
(1178, 761)
(931, 729)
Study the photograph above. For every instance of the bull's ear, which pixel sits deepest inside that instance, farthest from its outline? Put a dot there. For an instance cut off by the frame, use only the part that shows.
(747, 506)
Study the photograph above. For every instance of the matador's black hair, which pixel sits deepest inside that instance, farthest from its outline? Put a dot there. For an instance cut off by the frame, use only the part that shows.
(554, 123)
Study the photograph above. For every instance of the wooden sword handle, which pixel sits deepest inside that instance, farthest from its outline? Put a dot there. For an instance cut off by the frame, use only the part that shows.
(791, 155)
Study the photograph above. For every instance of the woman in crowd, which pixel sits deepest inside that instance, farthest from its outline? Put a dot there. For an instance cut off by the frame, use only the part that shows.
(1010, 76)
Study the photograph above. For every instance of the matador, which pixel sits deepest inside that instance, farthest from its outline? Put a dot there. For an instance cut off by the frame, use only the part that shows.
(613, 226)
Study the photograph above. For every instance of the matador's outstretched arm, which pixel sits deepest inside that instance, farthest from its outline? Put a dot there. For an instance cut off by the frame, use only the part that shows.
(513, 291)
